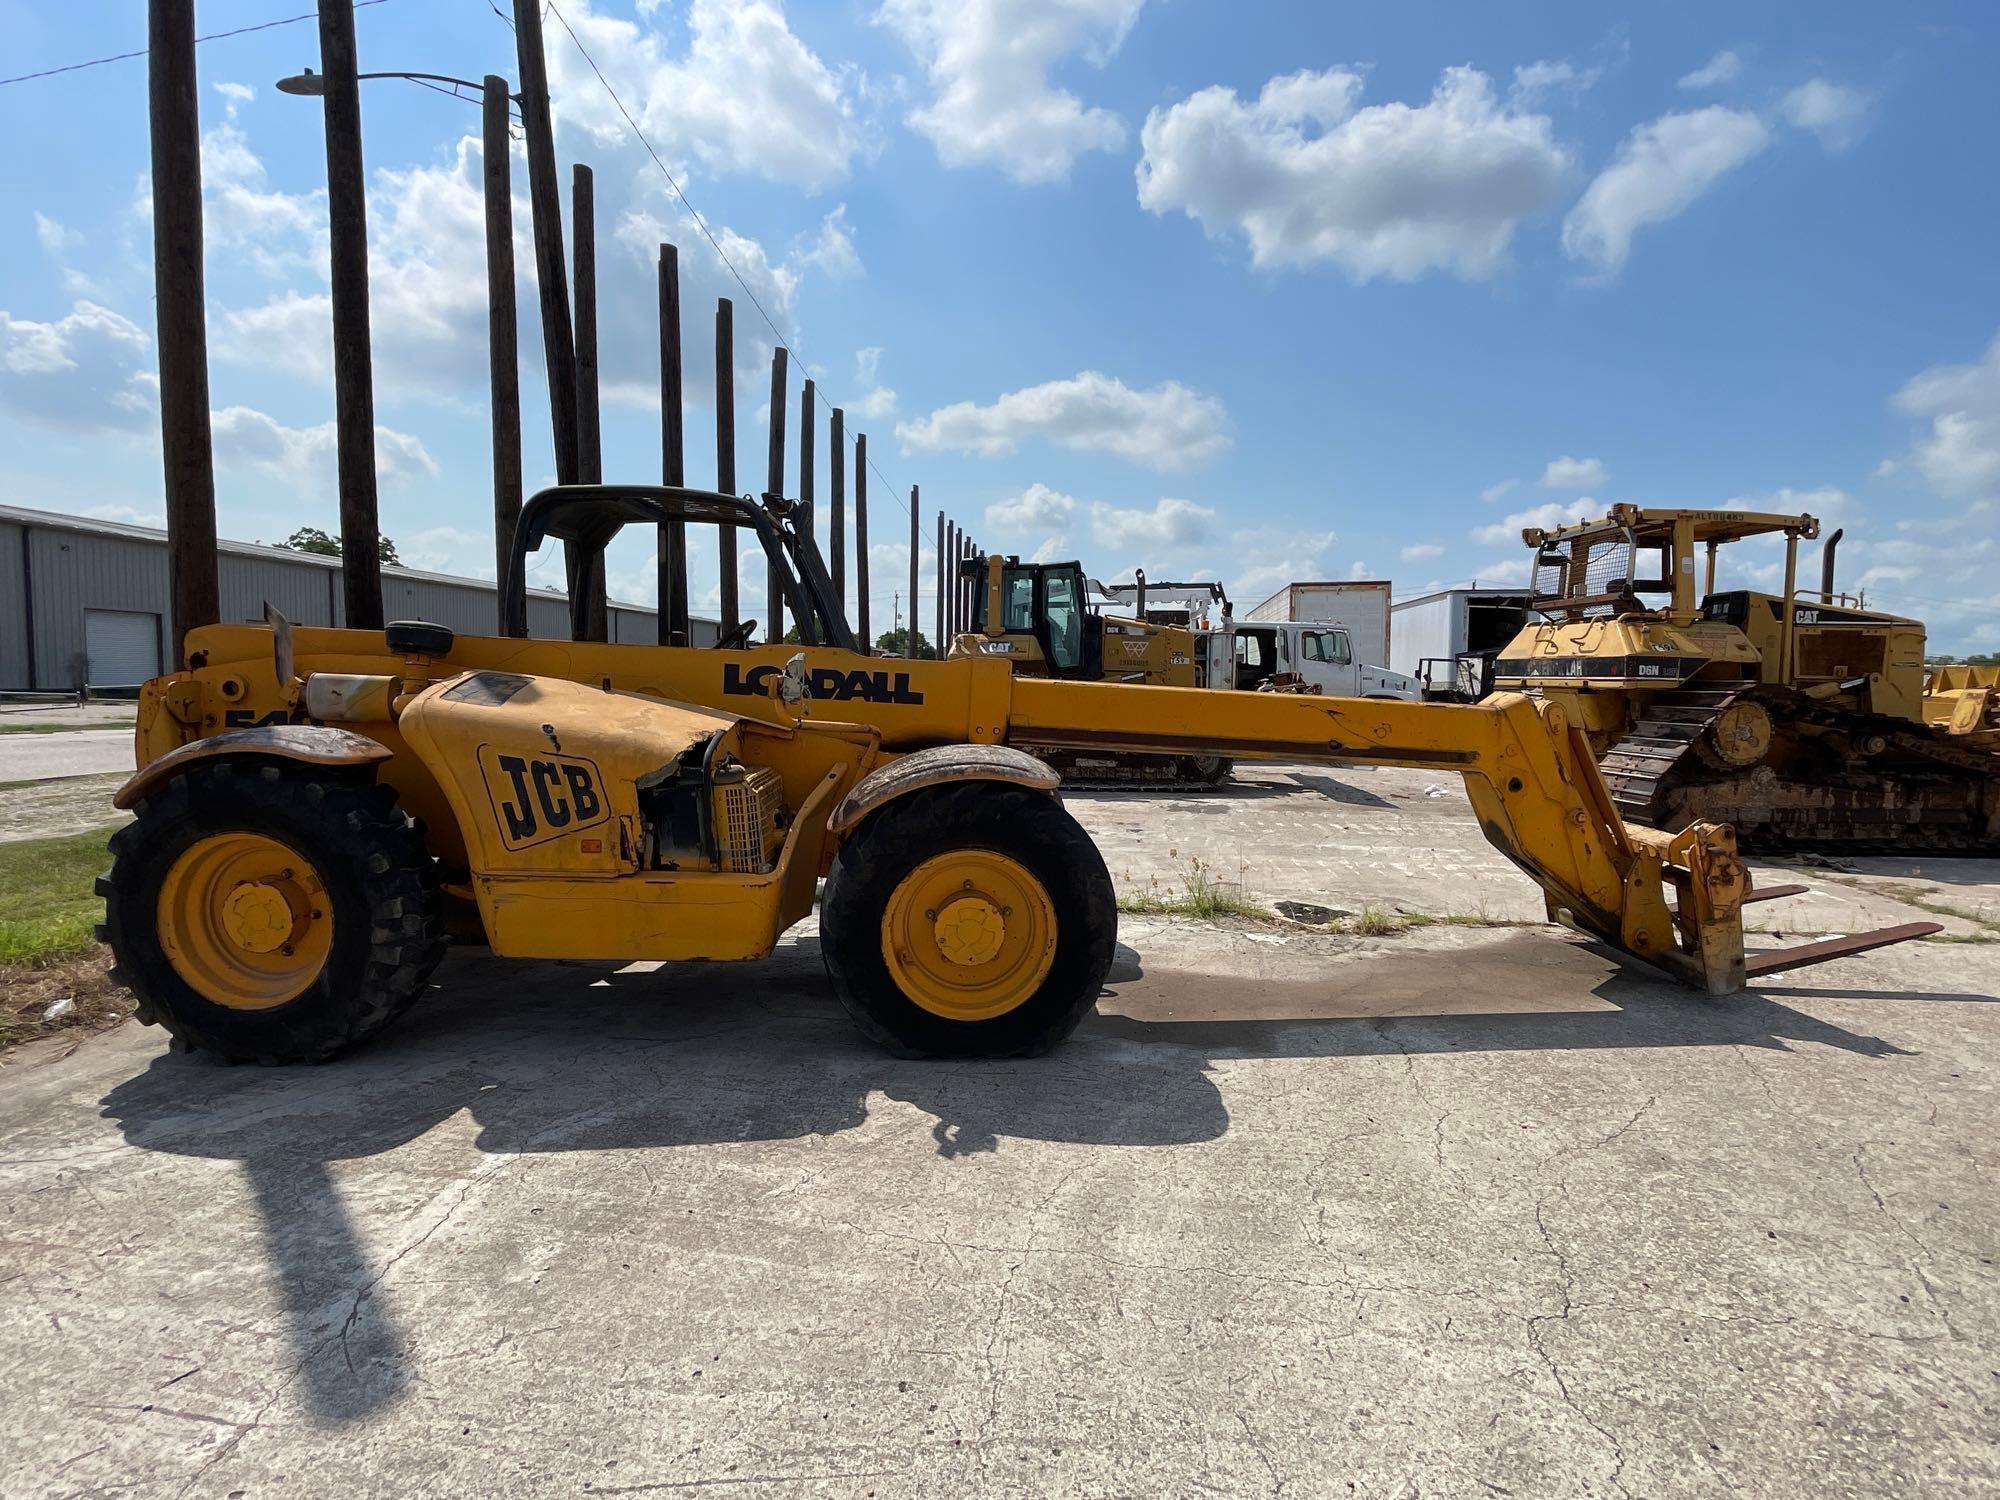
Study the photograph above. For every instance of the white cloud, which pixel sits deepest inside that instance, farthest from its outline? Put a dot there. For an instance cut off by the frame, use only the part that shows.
(1537, 79)
(1826, 502)
(1359, 571)
(235, 96)
(1719, 69)
(85, 371)
(1836, 114)
(831, 247)
(1498, 491)
(877, 402)
(1170, 523)
(1422, 552)
(1661, 168)
(1052, 549)
(1960, 453)
(1167, 427)
(249, 439)
(1553, 514)
(1568, 473)
(56, 239)
(745, 96)
(1392, 190)
(1267, 558)
(1037, 508)
(988, 63)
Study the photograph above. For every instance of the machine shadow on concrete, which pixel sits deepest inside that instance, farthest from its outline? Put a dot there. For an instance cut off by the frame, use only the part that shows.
(559, 1057)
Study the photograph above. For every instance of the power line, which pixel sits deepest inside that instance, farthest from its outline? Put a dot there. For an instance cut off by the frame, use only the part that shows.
(213, 36)
(702, 224)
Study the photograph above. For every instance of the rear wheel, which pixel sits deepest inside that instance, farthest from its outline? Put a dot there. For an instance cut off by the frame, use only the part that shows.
(1208, 770)
(272, 913)
(973, 920)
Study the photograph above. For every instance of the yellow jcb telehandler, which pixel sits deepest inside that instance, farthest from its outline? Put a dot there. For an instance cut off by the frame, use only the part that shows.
(310, 801)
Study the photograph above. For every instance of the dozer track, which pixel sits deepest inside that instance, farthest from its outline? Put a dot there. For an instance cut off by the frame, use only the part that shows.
(1834, 780)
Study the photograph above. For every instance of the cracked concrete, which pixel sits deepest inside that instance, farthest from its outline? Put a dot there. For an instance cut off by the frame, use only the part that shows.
(1461, 1212)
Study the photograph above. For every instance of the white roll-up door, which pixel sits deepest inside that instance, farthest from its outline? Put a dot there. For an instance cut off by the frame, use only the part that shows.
(124, 646)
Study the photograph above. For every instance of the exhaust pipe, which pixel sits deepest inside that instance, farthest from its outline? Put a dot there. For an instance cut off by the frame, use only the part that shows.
(1139, 593)
(1826, 564)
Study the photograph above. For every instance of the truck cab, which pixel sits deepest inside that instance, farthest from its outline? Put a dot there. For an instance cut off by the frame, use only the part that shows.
(1320, 656)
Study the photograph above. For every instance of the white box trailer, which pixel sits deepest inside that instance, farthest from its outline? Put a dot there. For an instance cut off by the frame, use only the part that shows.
(1361, 605)
(1448, 639)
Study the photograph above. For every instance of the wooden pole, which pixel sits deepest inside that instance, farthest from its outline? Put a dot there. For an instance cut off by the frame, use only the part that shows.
(836, 473)
(503, 352)
(353, 373)
(545, 205)
(180, 307)
(943, 641)
(774, 484)
(672, 547)
(589, 426)
(910, 639)
(725, 456)
(503, 339)
(808, 415)
(861, 543)
(951, 580)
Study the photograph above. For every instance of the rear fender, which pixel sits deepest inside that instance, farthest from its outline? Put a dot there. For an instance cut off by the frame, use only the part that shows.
(939, 766)
(306, 744)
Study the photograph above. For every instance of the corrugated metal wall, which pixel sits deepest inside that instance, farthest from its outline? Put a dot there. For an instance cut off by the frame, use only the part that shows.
(13, 616)
(74, 570)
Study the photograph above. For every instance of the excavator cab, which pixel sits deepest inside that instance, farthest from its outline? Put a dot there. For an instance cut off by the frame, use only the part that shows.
(1035, 614)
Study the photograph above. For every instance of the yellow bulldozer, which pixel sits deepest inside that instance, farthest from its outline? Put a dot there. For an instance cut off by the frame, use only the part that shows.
(1798, 717)
(313, 805)
(1039, 617)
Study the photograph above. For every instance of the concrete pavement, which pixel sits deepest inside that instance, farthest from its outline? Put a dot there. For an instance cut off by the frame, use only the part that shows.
(1464, 1212)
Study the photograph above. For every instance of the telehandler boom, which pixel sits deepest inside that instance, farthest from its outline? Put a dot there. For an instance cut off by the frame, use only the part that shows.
(309, 803)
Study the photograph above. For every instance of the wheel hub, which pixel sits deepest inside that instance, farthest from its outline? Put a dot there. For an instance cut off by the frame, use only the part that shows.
(258, 917)
(970, 930)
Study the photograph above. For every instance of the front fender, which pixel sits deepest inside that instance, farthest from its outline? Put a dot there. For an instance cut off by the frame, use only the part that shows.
(310, 744)
(938, 766)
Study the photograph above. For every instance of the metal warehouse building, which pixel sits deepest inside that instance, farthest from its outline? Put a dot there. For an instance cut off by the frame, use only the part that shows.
(85, 602)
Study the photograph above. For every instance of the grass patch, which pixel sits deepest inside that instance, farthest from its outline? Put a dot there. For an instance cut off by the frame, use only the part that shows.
(1372, 921)
(48, 909)
(1200, 895)
(68, 728)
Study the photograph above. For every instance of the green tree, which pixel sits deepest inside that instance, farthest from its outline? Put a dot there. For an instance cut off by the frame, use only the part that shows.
(312, 539)
(896, 643)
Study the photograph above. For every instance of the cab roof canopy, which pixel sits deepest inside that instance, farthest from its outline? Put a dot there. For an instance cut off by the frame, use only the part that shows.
(1658, 526)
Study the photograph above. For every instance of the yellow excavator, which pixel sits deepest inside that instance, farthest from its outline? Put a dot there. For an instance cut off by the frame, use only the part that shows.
(1799, 717)
(1038, 618)
(311, 806)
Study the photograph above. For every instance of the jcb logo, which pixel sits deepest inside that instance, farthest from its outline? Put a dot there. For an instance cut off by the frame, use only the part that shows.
(540, 797)
(829, 684)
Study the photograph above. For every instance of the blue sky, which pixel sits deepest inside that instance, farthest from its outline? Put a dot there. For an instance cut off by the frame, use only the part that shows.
(1263, 291)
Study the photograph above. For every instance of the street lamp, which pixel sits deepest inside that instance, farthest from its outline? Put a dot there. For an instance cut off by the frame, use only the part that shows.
(311, 85)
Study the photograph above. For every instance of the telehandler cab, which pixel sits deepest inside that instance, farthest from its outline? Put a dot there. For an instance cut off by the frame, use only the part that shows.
(309, 800)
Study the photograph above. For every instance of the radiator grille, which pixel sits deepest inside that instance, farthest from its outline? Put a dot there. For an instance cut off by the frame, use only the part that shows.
(747, 805)
(1841, 653)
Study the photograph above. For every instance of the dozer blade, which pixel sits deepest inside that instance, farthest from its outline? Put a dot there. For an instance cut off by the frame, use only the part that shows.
(1757, 965)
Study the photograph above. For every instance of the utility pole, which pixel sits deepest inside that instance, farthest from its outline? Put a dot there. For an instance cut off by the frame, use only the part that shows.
(910, 640)
(181, 310)
(836, 473)
(774, 485)
(587, 580)
(861, 542)
(353, 374)
(725, 456)
(672, 550)
(502, 336)
(808, 416)
(942, 573)
(545, 206)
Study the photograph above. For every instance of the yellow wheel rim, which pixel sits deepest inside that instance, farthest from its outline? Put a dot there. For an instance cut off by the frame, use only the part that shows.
(969, 935)
(245, 920)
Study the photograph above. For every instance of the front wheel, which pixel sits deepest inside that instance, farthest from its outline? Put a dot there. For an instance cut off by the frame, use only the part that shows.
(271, 913)
(971, 920)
